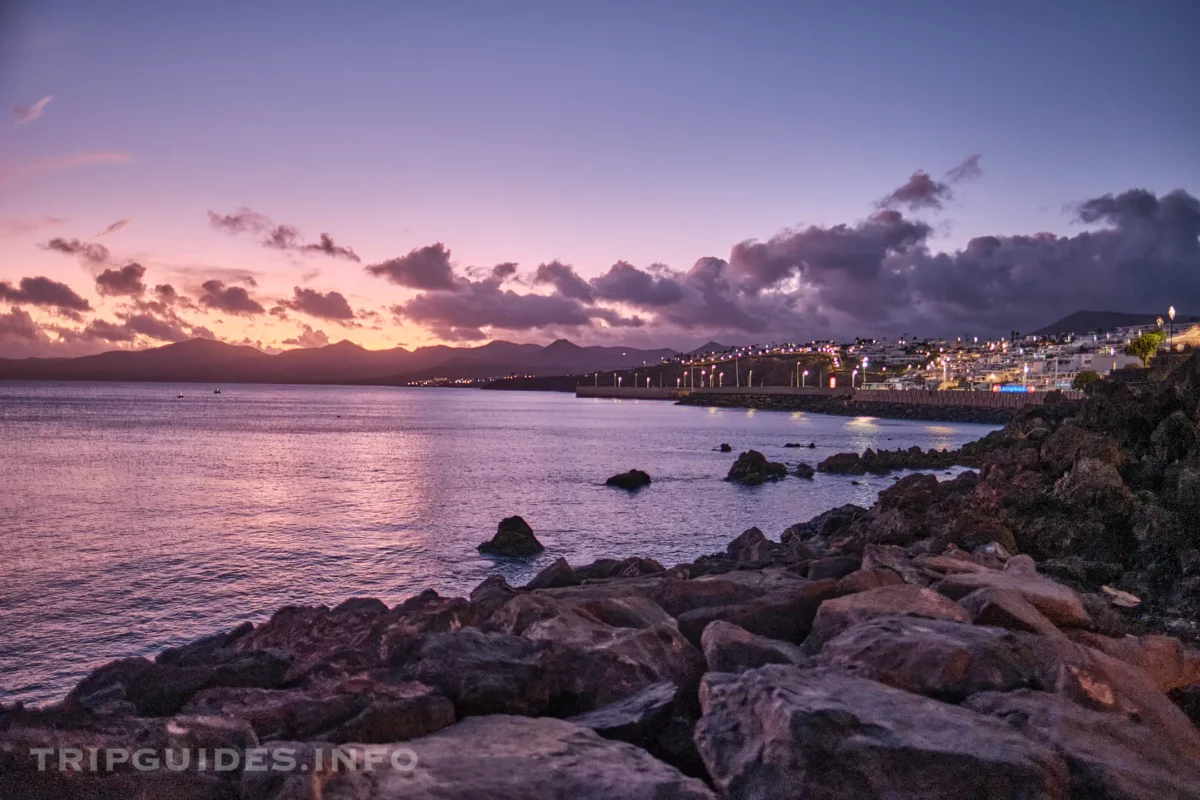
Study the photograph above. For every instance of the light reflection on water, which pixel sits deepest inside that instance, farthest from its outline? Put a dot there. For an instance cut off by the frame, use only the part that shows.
(132, 521)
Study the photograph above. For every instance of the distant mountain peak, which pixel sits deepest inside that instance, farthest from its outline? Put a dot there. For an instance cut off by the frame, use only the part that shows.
(563, 344)
(346, 344)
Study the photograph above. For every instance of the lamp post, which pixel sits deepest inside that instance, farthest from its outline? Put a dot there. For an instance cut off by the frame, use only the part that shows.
(618, 382)
(703, 372)
(853, 374)
(804, 378)
(750, 378)
(647, 383)
(677, 382)
(1171, 314)
(721, 380)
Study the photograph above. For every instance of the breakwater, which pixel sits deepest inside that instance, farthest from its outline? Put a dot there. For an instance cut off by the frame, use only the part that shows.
(848, 405)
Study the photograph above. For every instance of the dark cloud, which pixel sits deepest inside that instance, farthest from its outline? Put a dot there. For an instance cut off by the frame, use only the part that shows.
(308, 338)
(282, 237)
(150, 326)
(1144, 256)
(241, 221)
(564, 279)
(88, 251)
(41, 291)
(477, 304)
(327, 247)
(919, 191)
(230, 299)
(969, 169)
(426, 268)
(166, 294)
(330, 305)
(124, 281)
(502, 272)
(18, 324)
(104, 331)
(277, 237)
(625, 283)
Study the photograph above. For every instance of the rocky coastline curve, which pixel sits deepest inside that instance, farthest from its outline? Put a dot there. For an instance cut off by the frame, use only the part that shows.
(1026, 630)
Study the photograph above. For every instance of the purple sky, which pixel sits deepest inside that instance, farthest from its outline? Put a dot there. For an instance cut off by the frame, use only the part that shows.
(568, 137)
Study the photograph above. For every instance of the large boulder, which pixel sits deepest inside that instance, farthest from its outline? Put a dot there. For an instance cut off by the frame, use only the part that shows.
(785, 614)
(825, 525)
(498, 756)
(358, 710)
(835, 616)
(805, 471)
(752, 468)
(1059, 604)
(513, 538)
(554, 576)
(486, 673)
(1004, 608)
(1108, 755)
(944, 660)
(780, 731)
(59, 740)
(1164, 658)
(634, 479)
(843, 464)
(730, 648)
(637, 719)
(604, 649)
(1094, 484)
(150, 689)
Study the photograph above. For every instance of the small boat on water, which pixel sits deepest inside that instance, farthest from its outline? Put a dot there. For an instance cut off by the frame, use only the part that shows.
(216, 391)
(179, 395)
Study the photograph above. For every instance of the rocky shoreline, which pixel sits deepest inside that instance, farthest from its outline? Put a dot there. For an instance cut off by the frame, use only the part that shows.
(1023, 631)
(845, 406)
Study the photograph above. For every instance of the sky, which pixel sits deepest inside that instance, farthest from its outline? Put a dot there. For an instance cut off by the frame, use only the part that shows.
(646, 173)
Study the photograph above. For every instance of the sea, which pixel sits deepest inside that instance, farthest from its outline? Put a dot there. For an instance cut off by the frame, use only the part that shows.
(132, 519)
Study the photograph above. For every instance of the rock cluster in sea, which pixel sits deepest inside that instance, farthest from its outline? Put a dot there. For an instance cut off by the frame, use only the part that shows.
(752, 468)
(1024, 631)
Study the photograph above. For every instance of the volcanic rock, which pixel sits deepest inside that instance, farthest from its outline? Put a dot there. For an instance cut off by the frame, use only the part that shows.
(634, 479)
(513, 537)
(752, 468)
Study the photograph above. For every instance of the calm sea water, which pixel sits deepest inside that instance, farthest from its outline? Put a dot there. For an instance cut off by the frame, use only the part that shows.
(131, 520)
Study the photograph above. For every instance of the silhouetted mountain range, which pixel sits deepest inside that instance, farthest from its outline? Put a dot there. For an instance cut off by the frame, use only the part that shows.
(204, 360)
(1082, 322)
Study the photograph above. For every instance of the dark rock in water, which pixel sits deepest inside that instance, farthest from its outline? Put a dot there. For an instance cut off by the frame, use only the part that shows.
(725, 448)
(554, 576)
(812, 445)
(843, 464)
(839, 736)
(752, 468)
(513, 537)
(1109, 755)
(634, 479)
(805, 471)
(793, 444)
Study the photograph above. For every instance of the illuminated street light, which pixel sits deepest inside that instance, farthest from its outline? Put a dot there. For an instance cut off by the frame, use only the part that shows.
(804, 378)
(721, 380)
(1171, 314)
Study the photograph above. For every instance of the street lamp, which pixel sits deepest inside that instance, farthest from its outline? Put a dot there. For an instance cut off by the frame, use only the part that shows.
(677, 382)
(750, 378)
(703, 372)
(804, 378)
(721, 380)
(853, 374)
(618, 382)
(647, 383)
(1171, 314)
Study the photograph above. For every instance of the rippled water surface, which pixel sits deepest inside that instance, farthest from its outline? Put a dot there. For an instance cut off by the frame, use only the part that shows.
(131, 520)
